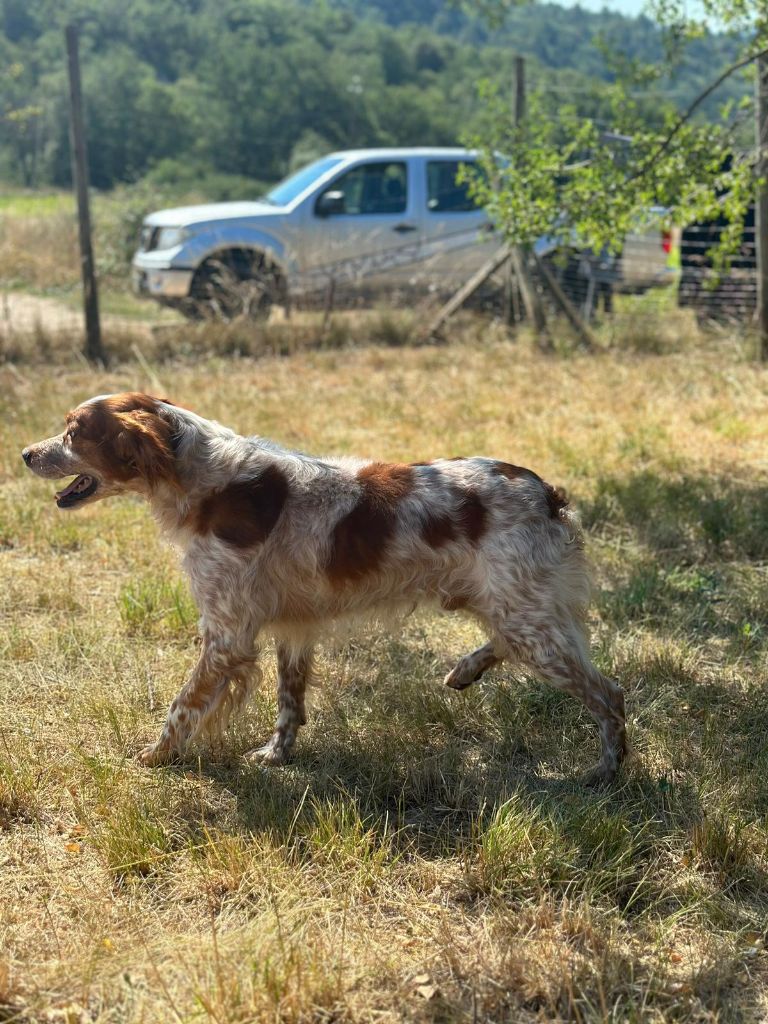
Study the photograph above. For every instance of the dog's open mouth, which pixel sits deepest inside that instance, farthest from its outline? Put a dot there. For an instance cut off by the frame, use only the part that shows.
(82, 487)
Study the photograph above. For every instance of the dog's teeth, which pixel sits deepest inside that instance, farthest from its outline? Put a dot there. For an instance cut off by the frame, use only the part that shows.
(80, 484)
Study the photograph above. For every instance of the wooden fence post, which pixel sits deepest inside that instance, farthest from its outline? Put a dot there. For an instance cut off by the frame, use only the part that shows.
(761, 204)
(582, 329)
(519, 90)
(520, 262)
(94, 350)
(467, 289)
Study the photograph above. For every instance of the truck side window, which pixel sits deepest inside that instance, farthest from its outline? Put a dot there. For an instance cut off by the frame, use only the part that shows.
(443, 193)
(372, 188)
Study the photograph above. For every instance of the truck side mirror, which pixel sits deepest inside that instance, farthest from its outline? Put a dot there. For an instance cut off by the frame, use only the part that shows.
(330, 203)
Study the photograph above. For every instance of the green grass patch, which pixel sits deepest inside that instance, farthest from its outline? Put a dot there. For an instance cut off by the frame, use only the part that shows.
(156, 606)
(36, 204)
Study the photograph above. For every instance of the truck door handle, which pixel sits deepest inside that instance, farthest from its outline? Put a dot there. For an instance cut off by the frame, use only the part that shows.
(402, 228)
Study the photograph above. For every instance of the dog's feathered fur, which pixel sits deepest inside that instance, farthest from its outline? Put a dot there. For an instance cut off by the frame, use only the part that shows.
(274, 540)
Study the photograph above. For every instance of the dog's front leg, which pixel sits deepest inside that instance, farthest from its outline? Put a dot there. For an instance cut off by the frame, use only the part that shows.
(294, 671)
(219, 679)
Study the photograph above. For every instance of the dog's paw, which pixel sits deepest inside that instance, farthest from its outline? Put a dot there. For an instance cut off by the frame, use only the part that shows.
(460, 677)
(599, 777)
(155, 754)
(273, 754)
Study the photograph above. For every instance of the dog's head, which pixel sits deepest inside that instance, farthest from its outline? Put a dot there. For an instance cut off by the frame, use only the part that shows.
(111, 444)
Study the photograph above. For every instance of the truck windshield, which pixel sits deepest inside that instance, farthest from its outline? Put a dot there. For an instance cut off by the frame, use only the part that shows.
(291, 187)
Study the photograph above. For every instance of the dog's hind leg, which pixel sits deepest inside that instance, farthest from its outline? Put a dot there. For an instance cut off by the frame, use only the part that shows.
(603, 698)
(294, 670)
(560, 658)
(472, 666)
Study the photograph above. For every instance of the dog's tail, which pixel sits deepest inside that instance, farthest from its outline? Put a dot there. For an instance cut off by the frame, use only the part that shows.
(574, 574)
(561, 511)
(557, 500)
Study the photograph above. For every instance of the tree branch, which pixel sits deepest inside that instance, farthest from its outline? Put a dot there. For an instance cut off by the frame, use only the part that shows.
(691, 109)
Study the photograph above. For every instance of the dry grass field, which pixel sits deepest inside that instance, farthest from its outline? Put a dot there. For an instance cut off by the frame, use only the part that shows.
(427, 855)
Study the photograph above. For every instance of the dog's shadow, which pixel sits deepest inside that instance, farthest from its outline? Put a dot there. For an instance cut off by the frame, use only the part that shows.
(424, 771)
(440, 802)
(307, 805)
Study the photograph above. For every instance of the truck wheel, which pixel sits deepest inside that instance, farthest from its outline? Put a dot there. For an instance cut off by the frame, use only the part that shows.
(233, 284)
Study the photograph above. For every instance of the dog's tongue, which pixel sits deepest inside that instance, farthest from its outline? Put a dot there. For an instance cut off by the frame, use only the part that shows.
(78, 485)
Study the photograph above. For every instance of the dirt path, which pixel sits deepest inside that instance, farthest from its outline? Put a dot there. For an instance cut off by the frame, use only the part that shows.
(24, 314)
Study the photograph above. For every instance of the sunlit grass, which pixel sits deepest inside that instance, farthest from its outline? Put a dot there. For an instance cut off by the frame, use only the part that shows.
(426, 855)
(24, 203)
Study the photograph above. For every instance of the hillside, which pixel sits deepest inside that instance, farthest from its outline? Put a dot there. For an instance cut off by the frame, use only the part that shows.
(253, 87)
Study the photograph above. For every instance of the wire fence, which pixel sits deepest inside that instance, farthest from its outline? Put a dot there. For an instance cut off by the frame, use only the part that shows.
(726, 297)
(652, 276)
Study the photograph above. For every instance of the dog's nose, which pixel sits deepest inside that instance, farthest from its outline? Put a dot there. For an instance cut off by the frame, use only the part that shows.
(27, 455)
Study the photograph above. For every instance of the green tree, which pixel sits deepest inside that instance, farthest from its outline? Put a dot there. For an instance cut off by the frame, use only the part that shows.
(564, 174)
(20, 120)
(233, 86)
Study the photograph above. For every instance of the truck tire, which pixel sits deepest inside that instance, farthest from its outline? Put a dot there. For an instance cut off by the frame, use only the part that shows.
(232, 284)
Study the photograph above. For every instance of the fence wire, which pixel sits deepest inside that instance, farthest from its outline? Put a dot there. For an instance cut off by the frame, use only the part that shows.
(653, 275)
(650, 277)
(728, 297)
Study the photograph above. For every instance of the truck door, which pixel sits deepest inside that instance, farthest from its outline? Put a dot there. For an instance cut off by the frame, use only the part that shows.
(363, 225)
(458, 237)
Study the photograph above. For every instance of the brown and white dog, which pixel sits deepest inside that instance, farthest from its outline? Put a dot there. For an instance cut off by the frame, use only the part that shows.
(281, 542)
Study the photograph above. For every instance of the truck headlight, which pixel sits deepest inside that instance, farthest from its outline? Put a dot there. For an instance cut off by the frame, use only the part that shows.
(169, 238)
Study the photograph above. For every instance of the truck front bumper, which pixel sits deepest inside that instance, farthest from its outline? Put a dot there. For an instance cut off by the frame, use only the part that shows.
(155, 283)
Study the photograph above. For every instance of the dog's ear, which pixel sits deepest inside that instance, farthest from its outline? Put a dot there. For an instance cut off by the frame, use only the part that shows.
(144, 443)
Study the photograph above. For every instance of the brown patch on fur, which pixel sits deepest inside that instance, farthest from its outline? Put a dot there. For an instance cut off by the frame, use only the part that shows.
(129, 401)
(453, 458)
(556, 498)
(145, 443)
(199, 698)
(467, 518)
(245, 513)
(92, 419)
(511, 472)
(438, 529)
(360, 538)
(387, 482)
(471, 514)
(125, 437)
(454, 603)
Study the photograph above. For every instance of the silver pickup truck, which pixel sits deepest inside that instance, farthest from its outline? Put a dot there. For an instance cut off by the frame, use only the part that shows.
(378, 218)
(385, 216)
